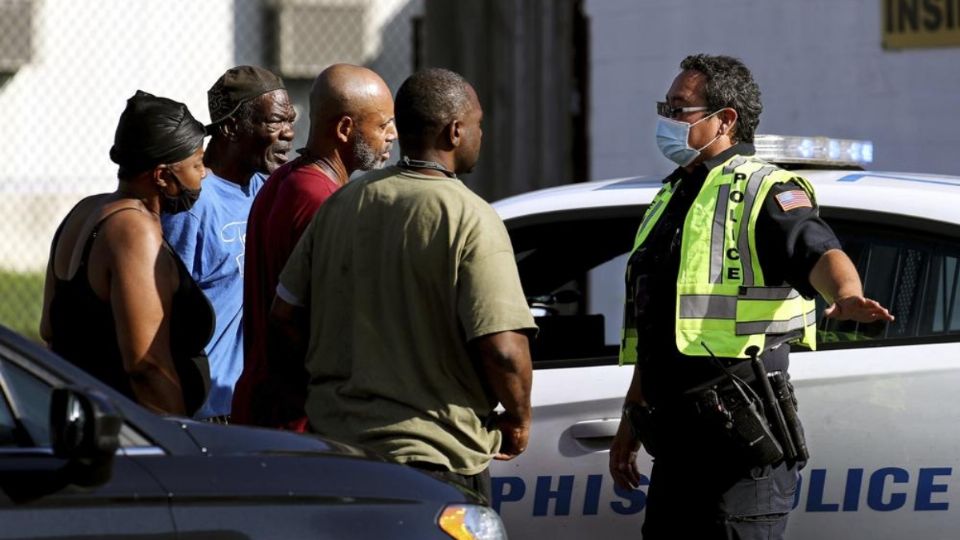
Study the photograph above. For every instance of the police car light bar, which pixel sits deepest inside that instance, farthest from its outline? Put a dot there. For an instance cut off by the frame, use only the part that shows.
(813, 150)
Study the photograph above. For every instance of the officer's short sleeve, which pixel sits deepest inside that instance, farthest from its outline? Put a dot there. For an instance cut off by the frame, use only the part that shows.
(791, 237)
(490, 298)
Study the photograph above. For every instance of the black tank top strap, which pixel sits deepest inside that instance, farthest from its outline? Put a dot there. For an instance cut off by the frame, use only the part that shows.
(56, 235)
(88, 245)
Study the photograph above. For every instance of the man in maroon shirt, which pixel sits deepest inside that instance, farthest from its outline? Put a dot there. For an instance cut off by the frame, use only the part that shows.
(351, 128)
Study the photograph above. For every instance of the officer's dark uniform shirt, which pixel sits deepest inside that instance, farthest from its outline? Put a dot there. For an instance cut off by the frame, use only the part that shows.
(789, 244)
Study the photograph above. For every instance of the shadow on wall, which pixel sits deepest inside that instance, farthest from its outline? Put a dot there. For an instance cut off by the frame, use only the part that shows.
(396, 59)
(250, 44)
(528, 61)
(254, 43)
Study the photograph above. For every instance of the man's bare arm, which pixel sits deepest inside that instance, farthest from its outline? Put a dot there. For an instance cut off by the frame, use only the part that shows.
(504, 359)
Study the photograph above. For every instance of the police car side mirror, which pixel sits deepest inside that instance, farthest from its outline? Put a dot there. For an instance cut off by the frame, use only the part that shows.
(545, 305)
(84, 431)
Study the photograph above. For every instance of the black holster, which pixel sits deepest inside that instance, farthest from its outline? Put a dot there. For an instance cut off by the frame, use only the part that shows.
(741, 421)
(764, 425)
(793, 429)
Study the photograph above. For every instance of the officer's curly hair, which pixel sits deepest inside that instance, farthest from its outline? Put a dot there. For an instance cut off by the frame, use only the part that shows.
(426, 102)
(730, 84)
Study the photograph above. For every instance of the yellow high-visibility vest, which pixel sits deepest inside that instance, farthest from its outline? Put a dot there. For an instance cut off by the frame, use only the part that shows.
(722, 299)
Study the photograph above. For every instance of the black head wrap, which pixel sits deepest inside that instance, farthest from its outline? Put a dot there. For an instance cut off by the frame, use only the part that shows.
(152, 131)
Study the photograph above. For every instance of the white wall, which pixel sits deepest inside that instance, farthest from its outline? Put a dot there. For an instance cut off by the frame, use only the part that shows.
(819, 64)
(58, 113)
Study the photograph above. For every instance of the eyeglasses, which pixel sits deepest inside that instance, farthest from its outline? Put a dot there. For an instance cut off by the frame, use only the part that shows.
(664, 109)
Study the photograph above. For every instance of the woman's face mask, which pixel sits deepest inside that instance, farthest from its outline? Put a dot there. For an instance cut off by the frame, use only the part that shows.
(673, 139)
(182, 202)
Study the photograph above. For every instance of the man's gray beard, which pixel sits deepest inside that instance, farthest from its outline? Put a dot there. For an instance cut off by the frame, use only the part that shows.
(366, 157)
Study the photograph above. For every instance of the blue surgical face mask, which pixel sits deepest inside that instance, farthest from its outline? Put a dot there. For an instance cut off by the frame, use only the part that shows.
(673, 138)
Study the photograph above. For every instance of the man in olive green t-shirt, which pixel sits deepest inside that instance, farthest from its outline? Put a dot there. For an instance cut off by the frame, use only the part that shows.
(417, 321)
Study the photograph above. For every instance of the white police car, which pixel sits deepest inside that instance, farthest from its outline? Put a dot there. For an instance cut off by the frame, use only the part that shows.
(880, 404)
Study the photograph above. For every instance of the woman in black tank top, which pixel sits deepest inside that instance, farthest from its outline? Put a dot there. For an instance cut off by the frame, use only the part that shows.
(118, 302)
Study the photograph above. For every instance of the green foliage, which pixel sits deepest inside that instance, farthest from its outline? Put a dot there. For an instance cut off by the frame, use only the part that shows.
(21, 301)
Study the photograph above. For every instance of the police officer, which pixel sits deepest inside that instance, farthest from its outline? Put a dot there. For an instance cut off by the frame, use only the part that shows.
(729, 255)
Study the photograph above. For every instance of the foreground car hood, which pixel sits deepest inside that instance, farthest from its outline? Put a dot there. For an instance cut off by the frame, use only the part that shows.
(254, 464)
(215, 439)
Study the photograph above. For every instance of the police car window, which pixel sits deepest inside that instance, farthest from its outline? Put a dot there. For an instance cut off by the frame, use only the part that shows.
(946, 309)
(914, 274)
(27, 399)
(571, 267)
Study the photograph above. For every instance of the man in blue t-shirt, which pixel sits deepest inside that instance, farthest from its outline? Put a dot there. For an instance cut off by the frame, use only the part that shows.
(251, 133)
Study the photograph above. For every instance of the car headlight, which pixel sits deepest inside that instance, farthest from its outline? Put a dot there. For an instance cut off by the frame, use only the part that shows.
(471, 522)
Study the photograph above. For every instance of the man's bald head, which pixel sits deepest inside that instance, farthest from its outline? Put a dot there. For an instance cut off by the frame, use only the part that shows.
(351, 108)
(344, 89)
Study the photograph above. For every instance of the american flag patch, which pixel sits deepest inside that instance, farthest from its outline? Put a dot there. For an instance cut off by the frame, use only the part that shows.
(791, 200)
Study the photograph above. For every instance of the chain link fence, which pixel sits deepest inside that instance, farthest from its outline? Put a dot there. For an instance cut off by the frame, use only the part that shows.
(68, 66)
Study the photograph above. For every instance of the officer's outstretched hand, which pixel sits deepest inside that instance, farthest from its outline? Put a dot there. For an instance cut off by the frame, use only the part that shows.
(514, 436)
(623, 458)
(857, 308)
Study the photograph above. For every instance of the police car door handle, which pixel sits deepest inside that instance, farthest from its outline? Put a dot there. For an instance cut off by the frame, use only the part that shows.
(604, 428)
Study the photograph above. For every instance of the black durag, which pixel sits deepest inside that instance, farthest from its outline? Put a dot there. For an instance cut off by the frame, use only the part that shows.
(153, 131)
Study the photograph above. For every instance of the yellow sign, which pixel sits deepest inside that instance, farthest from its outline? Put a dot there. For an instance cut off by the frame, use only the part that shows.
(912, 24)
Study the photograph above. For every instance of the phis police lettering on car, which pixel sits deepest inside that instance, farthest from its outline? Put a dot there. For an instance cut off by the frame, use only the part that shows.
(885, 489)
(510, 489)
